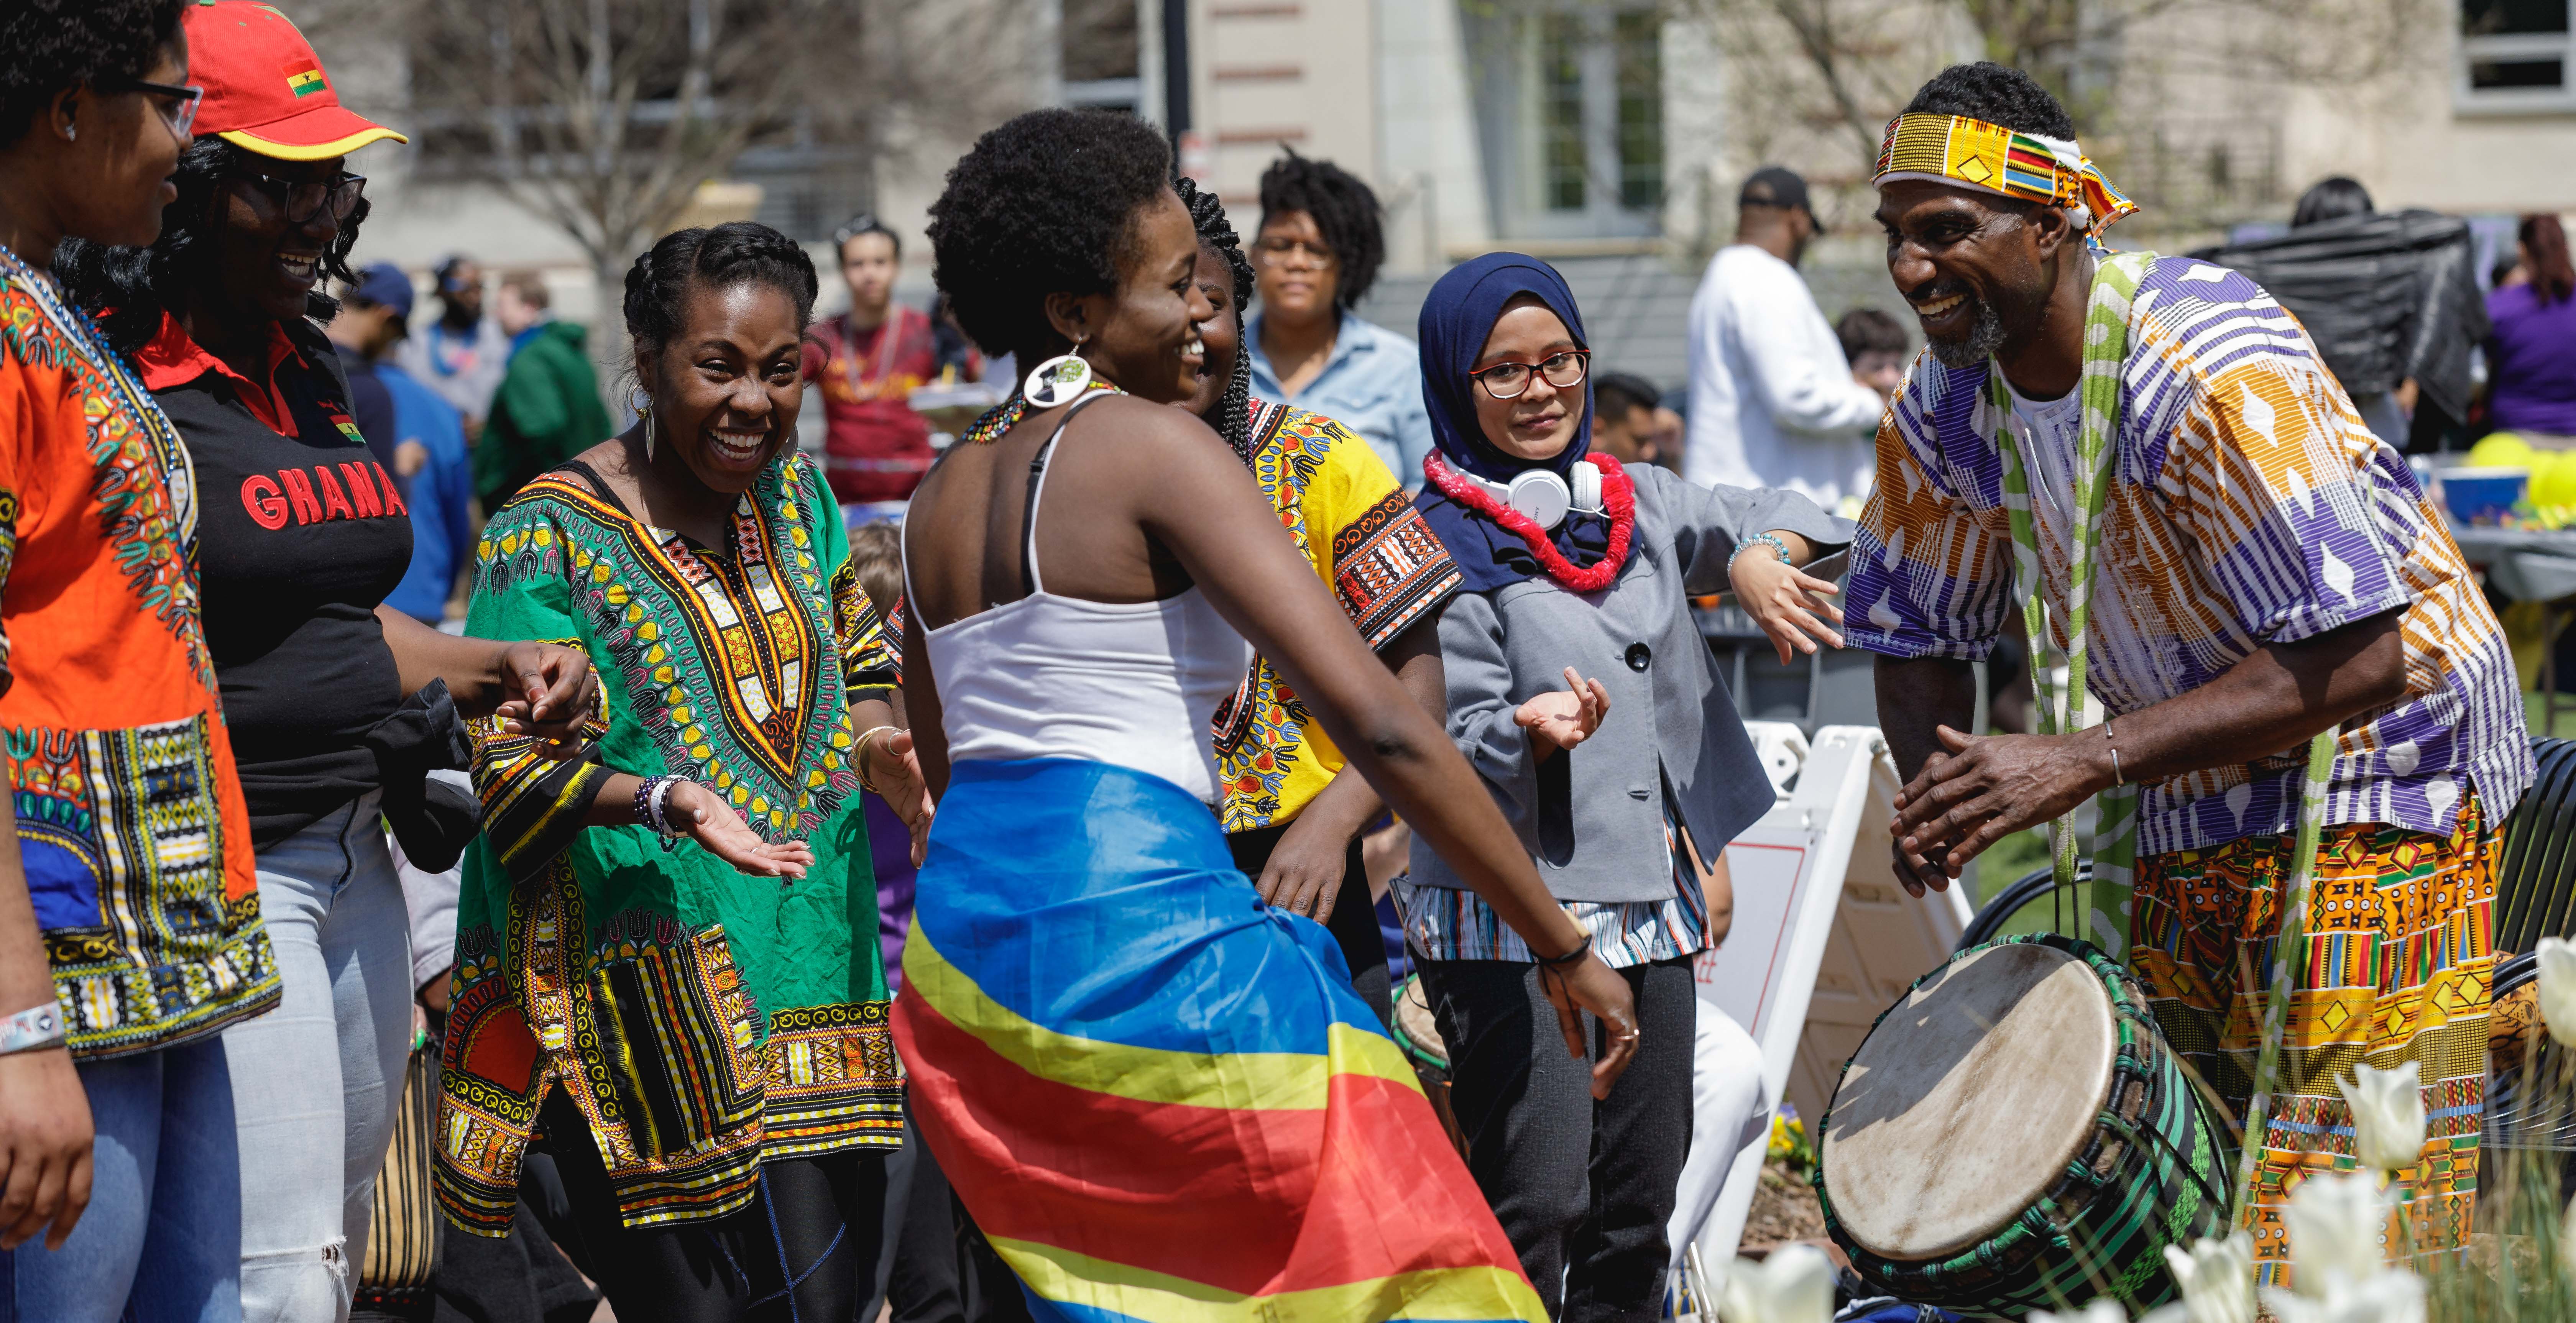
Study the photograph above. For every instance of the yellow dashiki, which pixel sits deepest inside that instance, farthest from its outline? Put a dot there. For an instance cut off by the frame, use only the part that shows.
(1349, 517)
(2397, 969)
(701, 1020)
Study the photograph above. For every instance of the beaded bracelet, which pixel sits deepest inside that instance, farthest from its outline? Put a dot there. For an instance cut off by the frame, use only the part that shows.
(1771, 540)
(652, 802)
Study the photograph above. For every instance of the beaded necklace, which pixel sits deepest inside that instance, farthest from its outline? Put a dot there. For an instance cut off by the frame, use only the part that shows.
(989, 425)
(1618, 499)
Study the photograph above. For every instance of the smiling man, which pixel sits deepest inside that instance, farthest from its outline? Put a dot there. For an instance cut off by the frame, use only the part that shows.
(2265, 570)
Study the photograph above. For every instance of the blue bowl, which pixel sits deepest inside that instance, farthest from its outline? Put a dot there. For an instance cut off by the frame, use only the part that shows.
(2483, 495)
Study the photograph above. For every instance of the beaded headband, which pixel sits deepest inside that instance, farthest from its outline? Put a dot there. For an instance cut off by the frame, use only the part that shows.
(1953, 149)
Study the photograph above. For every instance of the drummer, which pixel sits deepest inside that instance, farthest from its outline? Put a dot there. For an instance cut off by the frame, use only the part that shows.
(2268, 569)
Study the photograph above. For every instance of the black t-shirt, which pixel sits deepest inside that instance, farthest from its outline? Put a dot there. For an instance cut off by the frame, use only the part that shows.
(372, 406)
(299, 538)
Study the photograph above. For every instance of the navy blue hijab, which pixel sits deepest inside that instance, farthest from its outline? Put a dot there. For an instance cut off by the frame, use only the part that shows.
(1457, 317)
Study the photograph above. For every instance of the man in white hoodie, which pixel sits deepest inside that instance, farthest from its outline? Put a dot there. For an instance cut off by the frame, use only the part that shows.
(1772, 401)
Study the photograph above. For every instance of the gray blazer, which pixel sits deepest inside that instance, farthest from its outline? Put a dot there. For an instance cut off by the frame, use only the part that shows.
(1593, 816)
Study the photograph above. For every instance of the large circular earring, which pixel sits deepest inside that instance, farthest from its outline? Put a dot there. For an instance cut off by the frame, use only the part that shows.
(1061, 378)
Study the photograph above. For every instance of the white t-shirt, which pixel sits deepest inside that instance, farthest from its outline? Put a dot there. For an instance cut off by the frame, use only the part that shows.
(1772, 401)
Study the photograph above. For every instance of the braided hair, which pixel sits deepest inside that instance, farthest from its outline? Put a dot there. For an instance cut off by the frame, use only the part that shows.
(735, 253)
(1344, 210)
(1232, 416)
(137, 284)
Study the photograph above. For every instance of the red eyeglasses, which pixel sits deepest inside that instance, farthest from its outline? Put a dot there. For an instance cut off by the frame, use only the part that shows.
(1506, 381)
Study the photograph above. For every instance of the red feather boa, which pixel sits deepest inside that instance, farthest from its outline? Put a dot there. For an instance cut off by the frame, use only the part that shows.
(1618, 498)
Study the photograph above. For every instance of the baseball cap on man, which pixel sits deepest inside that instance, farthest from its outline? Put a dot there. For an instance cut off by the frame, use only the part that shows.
(265, 91)
(385, 285)
(1775, 186)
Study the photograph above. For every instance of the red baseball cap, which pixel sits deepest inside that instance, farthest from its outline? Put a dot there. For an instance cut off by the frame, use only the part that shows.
(265, 92)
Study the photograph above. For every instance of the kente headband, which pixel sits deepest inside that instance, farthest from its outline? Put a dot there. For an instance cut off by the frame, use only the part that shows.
(1953, 149)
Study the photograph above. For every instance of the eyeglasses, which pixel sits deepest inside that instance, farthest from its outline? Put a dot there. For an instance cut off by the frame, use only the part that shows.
(1276, 252)
(1506, 381)
(178, 114)
(302, 199)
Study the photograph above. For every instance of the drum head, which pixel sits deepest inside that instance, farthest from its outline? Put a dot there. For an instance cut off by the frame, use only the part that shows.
(1967, 1101)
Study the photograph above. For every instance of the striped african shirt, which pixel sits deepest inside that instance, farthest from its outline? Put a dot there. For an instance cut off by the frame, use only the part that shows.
(2250, 506)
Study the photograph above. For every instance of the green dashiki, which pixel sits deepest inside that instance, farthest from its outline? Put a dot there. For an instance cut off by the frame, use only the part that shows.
(701, 1019)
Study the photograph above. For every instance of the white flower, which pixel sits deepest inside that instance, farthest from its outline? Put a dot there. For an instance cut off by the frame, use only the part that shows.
(1794, 1285)
(2387, 1116)
(2217, 1281)
(2391, 1295)
(2336, 1220)
(2558, 989)
(2100, 1311)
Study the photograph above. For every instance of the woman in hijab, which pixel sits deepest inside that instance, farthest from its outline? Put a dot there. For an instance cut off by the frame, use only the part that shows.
(1572, 565)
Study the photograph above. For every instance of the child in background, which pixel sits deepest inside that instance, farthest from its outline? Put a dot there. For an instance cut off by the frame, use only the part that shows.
(1875, 346)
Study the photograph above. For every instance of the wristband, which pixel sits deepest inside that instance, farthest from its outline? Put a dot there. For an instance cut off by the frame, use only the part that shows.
(33, 1029)
(1573, 957)
(1771, 540)
(661, 806)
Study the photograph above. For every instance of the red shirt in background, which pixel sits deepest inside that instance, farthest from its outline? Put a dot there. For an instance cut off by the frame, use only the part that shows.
(875, 447)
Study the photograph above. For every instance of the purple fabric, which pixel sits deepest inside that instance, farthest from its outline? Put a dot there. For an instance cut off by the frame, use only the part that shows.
(890, 852)
(2532, 361)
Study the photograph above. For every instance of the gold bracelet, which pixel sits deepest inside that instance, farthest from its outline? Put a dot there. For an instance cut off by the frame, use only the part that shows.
(859, 756)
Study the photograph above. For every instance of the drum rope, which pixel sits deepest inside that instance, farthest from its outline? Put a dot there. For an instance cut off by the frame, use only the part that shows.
(2106, 347)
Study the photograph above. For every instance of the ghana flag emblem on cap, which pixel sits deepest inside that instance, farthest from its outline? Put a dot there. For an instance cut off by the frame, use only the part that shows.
(304, 77)
(266, 91)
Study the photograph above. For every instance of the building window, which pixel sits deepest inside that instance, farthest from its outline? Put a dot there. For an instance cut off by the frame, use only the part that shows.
(1570, 108)
(1640, 55)
(1560, 61)
(2516, 55)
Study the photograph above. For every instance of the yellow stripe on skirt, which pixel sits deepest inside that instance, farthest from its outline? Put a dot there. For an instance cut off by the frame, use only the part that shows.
(2397, 969)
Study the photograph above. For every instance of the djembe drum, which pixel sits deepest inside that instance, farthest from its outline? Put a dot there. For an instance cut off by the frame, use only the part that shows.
(2014, 1134)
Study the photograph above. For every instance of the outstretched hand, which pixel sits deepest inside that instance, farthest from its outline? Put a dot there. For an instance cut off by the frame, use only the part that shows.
(895, 771)
(707, 819)
(1787, 602)
(1563, 718)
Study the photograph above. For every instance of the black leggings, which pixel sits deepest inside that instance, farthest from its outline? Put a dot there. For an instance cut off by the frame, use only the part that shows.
(1353, 921)
(804, 1251)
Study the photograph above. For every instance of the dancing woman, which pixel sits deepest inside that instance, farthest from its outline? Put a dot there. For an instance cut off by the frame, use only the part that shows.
(728, 1086)
(1570, 565)
(1152, 1091)
(1293, 819)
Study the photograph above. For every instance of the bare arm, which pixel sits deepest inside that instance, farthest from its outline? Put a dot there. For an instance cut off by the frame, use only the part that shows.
(1918, 696)
(549, 687)
(1982, 789)
(1305, 872)
(45, 1128)
(1197, 509)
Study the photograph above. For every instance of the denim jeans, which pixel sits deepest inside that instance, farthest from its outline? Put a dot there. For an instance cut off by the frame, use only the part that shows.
(164, 1191)
(315, 1081)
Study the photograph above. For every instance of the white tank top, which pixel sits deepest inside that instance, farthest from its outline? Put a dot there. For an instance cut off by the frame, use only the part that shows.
(1133, 684)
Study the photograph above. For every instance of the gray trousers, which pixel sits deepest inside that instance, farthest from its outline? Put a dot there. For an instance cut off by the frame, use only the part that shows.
(1583, 1188)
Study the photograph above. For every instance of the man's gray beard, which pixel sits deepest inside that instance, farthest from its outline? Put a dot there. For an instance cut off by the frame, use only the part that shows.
(1983, 340)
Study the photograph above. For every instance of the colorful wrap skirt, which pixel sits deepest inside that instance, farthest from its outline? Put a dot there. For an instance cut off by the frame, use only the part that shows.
(1158, 1097)
(2396, 969)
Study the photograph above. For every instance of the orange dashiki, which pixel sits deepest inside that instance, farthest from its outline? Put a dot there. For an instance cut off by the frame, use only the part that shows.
(130, 820)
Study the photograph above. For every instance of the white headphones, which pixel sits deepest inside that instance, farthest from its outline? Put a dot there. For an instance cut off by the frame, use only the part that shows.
(1543, 496)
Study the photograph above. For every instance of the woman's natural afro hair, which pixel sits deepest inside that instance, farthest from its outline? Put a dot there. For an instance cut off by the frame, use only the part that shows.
(1344, 210)
(134, 285)
(47, 46)
(1044, 204)
(1997, 94)
(735, 253)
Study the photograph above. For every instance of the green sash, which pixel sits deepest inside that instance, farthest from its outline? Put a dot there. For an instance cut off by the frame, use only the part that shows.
(2106, 905)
